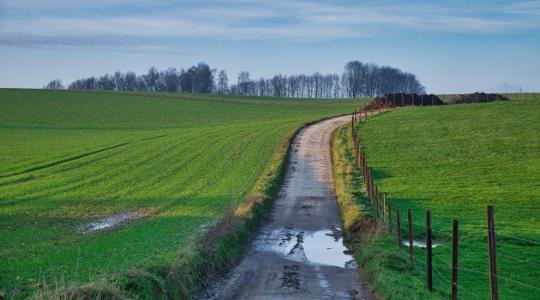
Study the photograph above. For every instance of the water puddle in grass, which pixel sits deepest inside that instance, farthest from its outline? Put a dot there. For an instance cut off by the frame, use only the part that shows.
(420, 244)
(111, 221)
(323, 247)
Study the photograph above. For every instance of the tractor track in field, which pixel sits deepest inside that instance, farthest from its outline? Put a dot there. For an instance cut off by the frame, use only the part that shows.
(298, 253)
(75, 157)
(64, 160)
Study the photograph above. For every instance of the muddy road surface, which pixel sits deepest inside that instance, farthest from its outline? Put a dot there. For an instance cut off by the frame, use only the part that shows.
(299, 251)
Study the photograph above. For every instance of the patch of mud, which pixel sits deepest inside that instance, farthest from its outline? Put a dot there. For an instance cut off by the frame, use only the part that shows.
(324, 247)
(420, 244)
(112, 221)
(291, 277)
(323, 282)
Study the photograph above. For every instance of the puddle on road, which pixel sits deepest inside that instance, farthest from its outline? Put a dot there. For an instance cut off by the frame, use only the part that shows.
(111, 221)
(419, 243)
(323, 247)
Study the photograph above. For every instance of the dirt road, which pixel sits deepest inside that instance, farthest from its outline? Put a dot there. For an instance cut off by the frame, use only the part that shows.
(298, 253)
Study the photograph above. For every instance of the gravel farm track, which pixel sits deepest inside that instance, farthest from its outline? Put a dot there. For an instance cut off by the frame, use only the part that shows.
(299, 252)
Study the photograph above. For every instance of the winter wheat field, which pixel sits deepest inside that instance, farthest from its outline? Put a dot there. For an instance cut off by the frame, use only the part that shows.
(95, 183)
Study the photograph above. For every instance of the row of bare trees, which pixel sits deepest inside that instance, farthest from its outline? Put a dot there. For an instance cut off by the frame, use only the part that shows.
(357, 80)
(295, 86)
(197, 79)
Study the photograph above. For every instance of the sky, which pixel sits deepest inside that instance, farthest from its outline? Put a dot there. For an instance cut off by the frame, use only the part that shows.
(452, 46)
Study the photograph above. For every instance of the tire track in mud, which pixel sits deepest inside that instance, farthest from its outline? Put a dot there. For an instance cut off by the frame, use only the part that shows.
(299, 252)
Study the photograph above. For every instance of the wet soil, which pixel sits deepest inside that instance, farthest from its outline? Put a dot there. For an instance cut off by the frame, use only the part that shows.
(299, 251)
(112, 221)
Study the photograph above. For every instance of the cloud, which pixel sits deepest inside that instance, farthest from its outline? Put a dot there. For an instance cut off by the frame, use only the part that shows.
(416, 17)
(148, 23)
(523, 8)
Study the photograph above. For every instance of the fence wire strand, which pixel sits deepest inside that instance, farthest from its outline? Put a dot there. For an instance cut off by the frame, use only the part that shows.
(519, 239)
(521, 260)
(472, 228)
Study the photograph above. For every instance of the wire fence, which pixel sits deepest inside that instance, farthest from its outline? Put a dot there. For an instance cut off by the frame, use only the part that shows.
(441, 263)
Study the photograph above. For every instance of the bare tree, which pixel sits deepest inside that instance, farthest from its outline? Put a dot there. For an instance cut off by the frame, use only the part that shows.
(203, 78)
(243, 83)
(130, 81)
(119, 81)
(55, 84)
(223, 82)
(169, 81)
(150, 79)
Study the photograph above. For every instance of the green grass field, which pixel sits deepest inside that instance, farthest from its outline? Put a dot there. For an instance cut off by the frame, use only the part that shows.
(70, 158)
(455, 160)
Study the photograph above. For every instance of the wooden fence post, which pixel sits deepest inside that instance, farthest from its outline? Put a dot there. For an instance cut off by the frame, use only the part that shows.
(384, 206)
(379, 202)
(357, 154)
(429, 253)
(375, 198)
(352, 126)
(368, 185)
(372, 187)
(454, 259)
(411, 242)
(375, 191)
(364, 166)
(365, 112)
(364, 169)
(356, 148)
(492, 254)
(398, 224)
(389, 219)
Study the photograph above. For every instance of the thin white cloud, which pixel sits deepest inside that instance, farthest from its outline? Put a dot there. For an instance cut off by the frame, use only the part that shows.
(413, 17)
(524, 8)
(241, 20)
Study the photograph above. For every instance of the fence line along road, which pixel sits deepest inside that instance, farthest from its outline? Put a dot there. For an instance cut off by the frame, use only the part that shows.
(383, 211)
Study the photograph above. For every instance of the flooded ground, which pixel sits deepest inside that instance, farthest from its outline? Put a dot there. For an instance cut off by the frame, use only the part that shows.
(420, 244)
(110, 222)
(299, 251)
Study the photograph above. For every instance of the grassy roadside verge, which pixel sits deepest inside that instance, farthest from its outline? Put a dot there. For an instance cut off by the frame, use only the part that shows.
(212, 252)
(381, 265)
